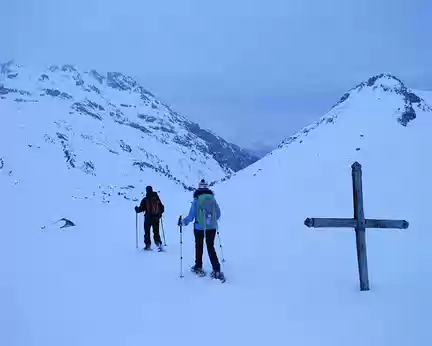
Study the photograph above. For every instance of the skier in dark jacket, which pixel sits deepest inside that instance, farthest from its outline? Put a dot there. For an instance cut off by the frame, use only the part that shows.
(153, 209)
(205, 213)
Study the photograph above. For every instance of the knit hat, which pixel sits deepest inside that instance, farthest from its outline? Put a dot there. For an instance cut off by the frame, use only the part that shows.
(149, 189)
(203, 184)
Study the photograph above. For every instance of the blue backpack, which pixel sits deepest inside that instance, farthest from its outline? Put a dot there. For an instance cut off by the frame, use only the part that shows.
(206, 211)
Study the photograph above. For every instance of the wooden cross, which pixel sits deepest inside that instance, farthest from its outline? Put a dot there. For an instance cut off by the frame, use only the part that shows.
(359, 223)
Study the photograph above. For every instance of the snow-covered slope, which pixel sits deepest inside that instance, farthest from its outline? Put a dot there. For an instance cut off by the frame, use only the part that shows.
(309, 277)
(399, 103)
(286, 284)
(105, 126)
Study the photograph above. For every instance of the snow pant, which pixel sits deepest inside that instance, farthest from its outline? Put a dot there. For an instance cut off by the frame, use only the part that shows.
(199, 248)
(148, 224)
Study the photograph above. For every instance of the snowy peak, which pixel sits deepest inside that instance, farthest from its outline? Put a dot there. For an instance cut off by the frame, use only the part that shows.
(390, 84)
(80, 112)
(384, 93)
(383, 80)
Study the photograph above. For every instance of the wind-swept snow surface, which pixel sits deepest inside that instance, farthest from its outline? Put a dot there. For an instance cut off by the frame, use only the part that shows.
(286, 284)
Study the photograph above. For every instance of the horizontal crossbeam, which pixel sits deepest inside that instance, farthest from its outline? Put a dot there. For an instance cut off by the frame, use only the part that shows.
(398, 224)
(352, 223)
(328, 222)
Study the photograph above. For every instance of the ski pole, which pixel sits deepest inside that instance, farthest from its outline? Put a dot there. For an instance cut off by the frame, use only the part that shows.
(136, 229)
(181, 245)
(163, 232)
(220, 244)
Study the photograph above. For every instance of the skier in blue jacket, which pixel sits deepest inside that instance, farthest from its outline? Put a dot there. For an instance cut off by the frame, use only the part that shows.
(205, 213)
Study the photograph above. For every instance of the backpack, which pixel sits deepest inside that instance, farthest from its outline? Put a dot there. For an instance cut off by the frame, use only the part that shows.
(206, 211)
(153, 205)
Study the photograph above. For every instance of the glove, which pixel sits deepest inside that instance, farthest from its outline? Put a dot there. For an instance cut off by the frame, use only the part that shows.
(136, 209)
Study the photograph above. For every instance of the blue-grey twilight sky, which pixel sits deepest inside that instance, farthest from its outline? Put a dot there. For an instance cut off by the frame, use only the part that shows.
(253, 71)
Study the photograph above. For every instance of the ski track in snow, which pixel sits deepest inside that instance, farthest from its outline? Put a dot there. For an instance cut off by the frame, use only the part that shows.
(286, 284)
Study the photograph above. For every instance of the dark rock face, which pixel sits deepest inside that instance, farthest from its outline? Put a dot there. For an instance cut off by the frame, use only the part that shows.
(138, 127)
(413, 98)
(95, 89)
(145, 92)
(68, 68)
(344, 97)
(148, 118)
(88, 168)
(58, 93)
(68, 154)
(62, 136)
(4, 91)
(408, 115)
(228, 155)
(95, 105)
(163, 128)
(371, 81)
(24, 100)
(121, 82)
(88, 107)
(83, 109)
(97, 76)
(125, 146)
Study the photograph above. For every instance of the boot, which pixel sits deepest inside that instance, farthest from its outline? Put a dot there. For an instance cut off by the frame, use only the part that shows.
(198, 271)
(218, 275)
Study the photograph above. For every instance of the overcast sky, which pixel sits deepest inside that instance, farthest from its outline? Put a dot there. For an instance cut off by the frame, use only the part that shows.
(253, 71)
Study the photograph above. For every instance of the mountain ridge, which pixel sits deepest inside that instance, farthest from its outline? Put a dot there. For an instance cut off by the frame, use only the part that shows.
(118, 98)
(385, 83)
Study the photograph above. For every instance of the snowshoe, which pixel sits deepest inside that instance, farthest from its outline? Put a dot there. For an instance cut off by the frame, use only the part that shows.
(198, 271)
(218, 275)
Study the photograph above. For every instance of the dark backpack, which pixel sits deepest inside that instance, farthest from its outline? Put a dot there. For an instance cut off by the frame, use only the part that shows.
(153, 206)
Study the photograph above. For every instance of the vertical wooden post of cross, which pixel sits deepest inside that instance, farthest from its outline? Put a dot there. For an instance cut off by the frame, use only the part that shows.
(360, 228)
